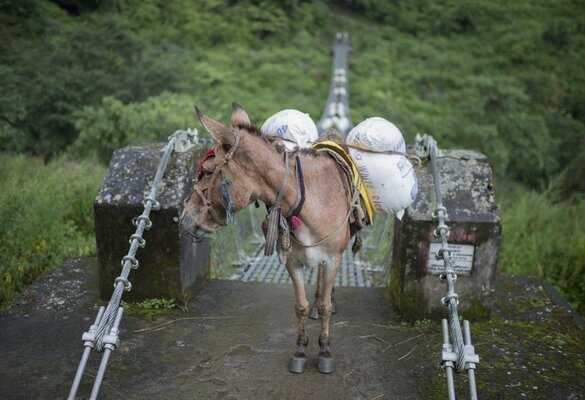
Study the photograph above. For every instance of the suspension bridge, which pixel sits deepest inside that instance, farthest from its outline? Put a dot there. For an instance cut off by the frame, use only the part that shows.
(231, 339)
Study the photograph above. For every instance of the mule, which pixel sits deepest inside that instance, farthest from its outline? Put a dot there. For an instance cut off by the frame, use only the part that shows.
(246, 168)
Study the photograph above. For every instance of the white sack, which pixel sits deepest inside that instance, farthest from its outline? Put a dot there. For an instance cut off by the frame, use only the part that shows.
(296, 127)
(376, 134)
(389, 178)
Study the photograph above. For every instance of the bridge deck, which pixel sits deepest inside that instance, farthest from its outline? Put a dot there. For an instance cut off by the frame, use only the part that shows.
(353, 272)
(234, 340)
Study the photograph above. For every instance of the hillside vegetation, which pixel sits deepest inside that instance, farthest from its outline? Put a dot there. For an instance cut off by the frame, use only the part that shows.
(81, 78)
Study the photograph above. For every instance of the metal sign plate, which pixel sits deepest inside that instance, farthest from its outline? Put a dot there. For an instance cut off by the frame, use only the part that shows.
(462, 255)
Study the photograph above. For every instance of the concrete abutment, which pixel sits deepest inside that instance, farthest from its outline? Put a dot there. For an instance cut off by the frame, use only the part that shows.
(170, 266)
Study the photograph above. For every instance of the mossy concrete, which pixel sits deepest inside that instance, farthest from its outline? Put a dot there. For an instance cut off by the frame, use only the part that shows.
(473, 218)
(233, 341)
(171, 265)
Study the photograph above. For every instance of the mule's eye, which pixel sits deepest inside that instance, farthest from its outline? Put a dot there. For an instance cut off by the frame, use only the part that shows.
(206, 173)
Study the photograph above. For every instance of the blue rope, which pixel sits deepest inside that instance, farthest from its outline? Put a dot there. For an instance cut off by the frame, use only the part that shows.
(229, 210)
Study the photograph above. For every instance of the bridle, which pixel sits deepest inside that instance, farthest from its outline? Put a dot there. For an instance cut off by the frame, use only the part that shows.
(204, 192)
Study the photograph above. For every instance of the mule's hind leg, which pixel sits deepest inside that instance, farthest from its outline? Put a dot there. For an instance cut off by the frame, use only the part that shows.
(299, 358)
(314, 314)
(329, 268)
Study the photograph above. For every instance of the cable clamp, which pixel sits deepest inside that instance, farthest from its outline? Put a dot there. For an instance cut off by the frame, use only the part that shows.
(438, 210)
(442, 229)
(111, 340)
(147, 222)
(184, 140)
(448, 273)
(126, 282)
(471, 359)
(447, 299)
(139, 238)
(448, 357)
(153, 201)
(422, 147)
(89, 337)
(443, 254)
(128, 258)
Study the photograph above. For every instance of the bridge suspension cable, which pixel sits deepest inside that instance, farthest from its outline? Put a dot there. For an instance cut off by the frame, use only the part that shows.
(457, 353)
(102, 336)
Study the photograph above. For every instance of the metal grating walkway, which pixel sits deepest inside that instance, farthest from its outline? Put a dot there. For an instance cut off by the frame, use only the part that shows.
(268, 269)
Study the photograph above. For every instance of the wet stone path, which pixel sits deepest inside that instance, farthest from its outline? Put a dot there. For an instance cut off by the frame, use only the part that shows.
(234, 340)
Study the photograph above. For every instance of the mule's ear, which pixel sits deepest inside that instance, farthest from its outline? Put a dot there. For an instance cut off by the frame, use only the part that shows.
(240, 118)
(219, 132)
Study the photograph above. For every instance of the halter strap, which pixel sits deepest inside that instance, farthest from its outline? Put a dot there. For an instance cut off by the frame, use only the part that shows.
(204, 192)
(275, 213)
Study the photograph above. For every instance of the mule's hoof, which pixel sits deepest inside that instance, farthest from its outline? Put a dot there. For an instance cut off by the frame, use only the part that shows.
(314, 314)
(297, 364)
(326, 364)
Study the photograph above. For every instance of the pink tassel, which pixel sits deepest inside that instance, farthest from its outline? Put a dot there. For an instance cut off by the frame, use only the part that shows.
(295, 222)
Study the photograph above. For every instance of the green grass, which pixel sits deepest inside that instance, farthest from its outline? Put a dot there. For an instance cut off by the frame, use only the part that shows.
(547, 239)
(150, 308)
(47, 216)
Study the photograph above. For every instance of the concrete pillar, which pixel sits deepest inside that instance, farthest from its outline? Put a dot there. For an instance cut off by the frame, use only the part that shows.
(171, 266)
(474, 220)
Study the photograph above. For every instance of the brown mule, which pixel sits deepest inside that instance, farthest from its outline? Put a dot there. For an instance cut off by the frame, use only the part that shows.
(246, 167)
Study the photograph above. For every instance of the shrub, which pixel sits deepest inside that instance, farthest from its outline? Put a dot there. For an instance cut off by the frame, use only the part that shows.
(113, 124)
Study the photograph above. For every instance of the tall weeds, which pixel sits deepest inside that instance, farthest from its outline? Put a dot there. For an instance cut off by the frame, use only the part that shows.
(545, 238)
(46, 216)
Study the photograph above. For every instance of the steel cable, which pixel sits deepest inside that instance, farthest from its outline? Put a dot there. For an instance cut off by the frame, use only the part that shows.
(129, 261)
(465, 357)
(102, 336)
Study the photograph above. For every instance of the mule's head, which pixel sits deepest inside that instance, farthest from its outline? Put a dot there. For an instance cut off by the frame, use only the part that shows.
(224, 184)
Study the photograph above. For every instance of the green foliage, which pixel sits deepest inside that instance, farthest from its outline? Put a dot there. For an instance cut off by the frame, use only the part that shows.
(456, 70)
(113, 124)
(46, 213)
(64, 64)
(544, 238)
(422, 323)
(154, 304)
(149, 308)
(453, 69)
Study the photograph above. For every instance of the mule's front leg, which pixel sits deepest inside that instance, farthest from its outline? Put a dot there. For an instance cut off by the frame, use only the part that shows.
(299, 358)
(329, 271)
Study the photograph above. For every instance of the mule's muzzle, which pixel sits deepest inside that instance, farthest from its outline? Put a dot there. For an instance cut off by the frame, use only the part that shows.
(188, 226)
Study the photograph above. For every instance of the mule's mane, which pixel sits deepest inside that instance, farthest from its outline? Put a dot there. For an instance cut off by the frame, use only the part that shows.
(310, 152)
(252, 129)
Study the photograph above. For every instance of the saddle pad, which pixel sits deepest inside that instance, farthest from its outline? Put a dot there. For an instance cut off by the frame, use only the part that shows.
(367, 202)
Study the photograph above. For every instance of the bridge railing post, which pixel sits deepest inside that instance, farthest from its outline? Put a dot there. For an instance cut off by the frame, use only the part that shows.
(474, 240)
(171, 265)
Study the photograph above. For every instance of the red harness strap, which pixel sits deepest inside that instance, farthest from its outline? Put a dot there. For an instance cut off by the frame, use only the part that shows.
(208, 154)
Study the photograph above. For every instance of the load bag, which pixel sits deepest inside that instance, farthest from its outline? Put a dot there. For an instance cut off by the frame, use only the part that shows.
(376, 134)
(389, 178)
(296, 128)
